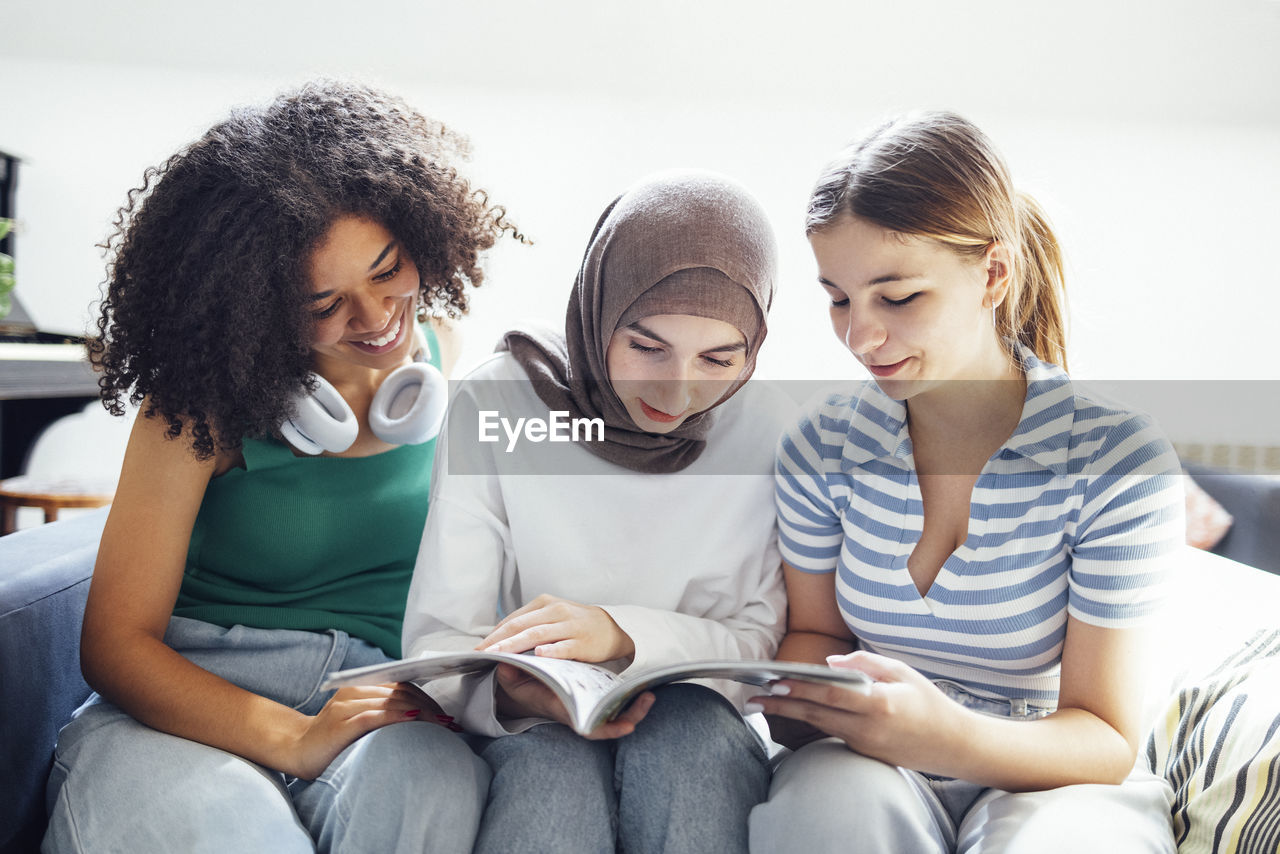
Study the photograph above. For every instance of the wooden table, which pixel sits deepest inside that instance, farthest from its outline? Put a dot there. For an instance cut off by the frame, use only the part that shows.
(50, 495)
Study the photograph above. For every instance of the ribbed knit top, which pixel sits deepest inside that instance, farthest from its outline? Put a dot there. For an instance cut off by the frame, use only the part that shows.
(310, 543)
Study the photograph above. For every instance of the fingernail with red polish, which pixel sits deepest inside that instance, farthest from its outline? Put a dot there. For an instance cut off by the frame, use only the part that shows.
(413, 713)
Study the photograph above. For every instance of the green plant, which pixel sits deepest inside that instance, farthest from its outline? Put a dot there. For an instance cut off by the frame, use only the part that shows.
(6, 271)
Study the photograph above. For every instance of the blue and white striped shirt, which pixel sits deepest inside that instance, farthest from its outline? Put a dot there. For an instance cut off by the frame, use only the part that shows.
(1074, 514)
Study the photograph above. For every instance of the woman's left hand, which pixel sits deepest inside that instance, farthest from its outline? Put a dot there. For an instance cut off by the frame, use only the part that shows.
(903, 718)
(521, 695)
(558, 628)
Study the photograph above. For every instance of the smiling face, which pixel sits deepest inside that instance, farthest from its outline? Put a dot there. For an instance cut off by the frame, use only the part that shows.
(364, 295)
(668, 367)
(916, 313)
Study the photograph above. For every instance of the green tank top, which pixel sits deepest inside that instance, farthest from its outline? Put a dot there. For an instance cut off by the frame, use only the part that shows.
(310, 543)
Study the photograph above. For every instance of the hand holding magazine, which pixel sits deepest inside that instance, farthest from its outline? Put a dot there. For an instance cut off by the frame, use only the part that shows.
(592, 694)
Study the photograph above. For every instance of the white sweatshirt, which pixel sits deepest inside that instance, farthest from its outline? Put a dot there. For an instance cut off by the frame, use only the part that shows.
(687, 564)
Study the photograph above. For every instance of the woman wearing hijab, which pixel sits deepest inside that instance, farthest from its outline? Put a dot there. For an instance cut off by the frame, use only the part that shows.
(650, 541)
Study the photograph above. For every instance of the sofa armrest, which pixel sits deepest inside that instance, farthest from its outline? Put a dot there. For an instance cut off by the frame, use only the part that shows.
(1254, 501)
(44, 579)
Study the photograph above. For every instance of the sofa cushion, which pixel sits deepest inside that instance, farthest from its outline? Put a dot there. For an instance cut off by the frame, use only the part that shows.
(1207, 520)
(1254, 502)
(1218, 745)
(1213, 703)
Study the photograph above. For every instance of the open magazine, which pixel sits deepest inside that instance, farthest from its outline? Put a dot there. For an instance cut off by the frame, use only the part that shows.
(591, 693)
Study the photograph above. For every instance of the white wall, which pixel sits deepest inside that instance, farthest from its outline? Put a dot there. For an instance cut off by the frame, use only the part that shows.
(1152, 135)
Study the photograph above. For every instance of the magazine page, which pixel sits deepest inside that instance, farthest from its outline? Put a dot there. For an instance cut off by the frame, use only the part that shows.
(421, 668)
(762, 673)
(579, 685)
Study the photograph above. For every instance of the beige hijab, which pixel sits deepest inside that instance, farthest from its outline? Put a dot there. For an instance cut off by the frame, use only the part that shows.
(675, 243)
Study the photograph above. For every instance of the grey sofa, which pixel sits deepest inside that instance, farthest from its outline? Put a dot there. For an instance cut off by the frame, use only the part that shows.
(1254, 501)
(44, 579)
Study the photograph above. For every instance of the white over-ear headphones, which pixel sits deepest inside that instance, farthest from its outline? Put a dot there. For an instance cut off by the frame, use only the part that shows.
(407, 409)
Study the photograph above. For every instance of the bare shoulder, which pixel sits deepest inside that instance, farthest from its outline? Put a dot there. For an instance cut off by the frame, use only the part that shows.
(161, 481)
(144, 544)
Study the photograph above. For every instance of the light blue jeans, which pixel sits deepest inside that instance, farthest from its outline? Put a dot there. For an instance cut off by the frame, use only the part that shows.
(117, 785)
(827, 798)
(684, 781)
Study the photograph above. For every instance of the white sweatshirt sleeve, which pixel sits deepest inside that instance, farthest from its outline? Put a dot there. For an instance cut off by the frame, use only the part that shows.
(457, 585)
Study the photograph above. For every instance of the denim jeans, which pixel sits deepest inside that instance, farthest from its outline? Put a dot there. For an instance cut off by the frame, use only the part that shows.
(827, 798)
(117, 785)
(684, 781)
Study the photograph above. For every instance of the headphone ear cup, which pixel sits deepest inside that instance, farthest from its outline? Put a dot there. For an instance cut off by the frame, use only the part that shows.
(409, 406)
(323, 421)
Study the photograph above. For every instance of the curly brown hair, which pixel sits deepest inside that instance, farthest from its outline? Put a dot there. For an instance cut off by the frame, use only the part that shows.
(205, 313)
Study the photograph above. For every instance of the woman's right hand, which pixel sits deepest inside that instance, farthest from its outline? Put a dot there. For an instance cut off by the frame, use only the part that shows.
(900, 718)
(560, 628)
(521, 695)
(355, 711)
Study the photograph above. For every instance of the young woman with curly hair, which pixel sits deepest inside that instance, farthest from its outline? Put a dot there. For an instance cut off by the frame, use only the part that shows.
(286, 252)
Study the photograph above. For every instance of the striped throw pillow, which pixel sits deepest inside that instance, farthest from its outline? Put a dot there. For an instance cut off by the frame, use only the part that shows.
(1218, 744)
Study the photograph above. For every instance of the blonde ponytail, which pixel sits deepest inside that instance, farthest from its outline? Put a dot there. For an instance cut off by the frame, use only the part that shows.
(1034, 311)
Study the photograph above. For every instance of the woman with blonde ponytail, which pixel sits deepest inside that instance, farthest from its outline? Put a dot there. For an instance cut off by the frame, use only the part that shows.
(980, 536)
